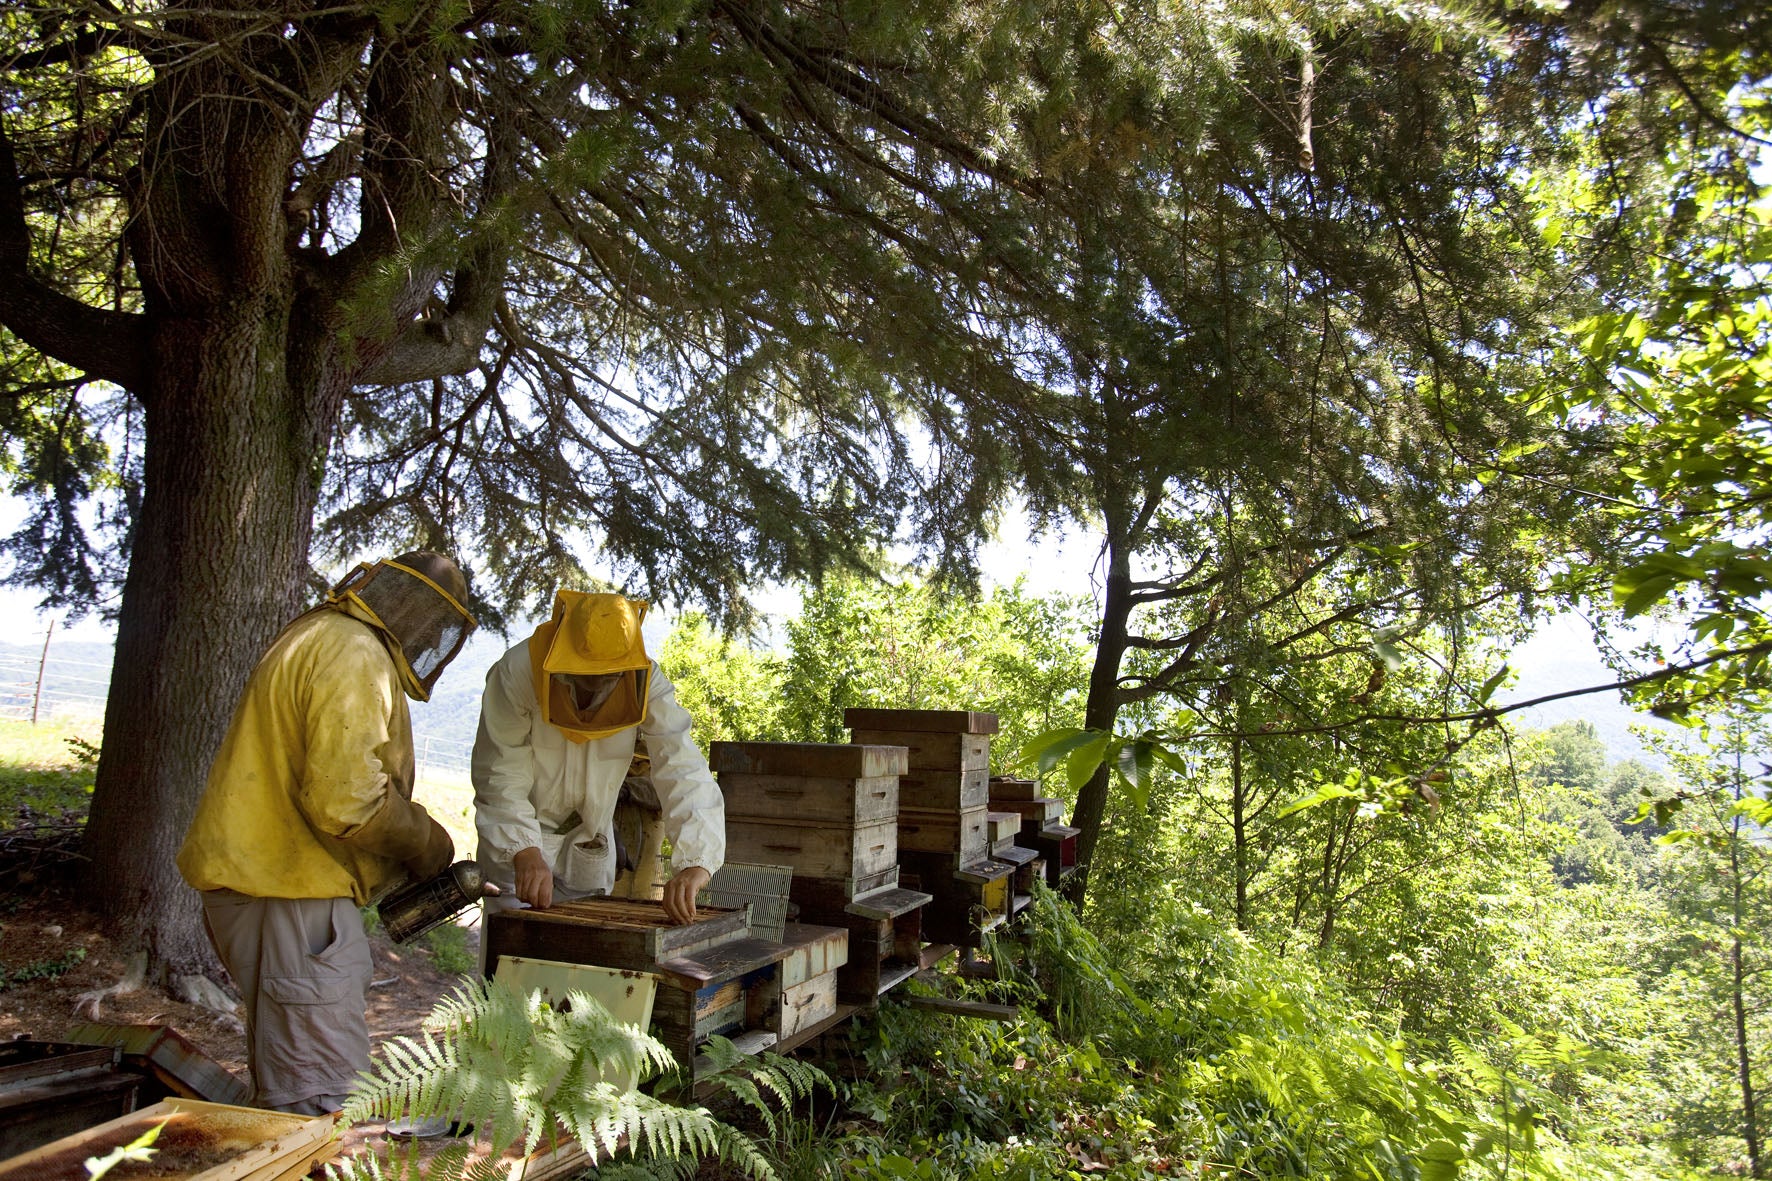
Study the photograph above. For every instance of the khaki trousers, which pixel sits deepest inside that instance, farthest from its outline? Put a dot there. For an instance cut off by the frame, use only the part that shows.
(302, 966)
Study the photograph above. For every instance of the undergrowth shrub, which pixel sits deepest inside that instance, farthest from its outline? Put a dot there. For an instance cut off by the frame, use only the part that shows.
(520, 1071)
(1195, 1052)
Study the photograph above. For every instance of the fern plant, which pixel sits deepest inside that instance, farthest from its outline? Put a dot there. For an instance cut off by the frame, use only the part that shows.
(518, 1069)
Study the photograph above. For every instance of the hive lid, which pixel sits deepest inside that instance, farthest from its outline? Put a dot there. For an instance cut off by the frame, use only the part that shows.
(937, 721)
(823, 760)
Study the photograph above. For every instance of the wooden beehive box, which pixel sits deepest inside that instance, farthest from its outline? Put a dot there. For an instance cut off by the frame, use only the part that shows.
(806, 760)
(827, 810)
(1057, 844)
(809, 981)
(611, 932)
(966, 834)
(198, 1141)
(934, 739)
(855, 854)
(968, 900)
(885, 944)
(730, 990)
(1003, 828)
(946, 791)
(1028, 866)
(713, 978)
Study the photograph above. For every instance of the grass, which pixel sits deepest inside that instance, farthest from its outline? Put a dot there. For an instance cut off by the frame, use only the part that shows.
(450, 798)
(45, 768)
(42, 767)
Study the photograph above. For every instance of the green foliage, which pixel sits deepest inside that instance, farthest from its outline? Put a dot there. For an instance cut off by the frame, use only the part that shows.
(1674, 380)
(732, 691)
(45, 770)
(890, 645)
(43, 969)
(448, 946)
(516, 1069)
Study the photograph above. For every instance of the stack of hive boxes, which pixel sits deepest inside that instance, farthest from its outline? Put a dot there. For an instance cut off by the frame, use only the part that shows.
(945, 830)
(713, 976)
(829, 812)
(1041, 827)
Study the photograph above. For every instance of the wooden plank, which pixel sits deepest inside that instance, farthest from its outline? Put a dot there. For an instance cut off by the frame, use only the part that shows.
(932, 872)
(806, 1004)
(953, 721)
(724, 962)
(1007, 787)
(812, 951)
(844, 1012)
(810, 798)
(945, 791)
(177, 1062)
(926, 751)
(815, 850)
(1004, 826)
(818, 898)
(723, 1013)
(982, 1010)
(819, 759)
(888, 904)
(225, 1142)
(934, 954)
(1034, 813)
(610, 932)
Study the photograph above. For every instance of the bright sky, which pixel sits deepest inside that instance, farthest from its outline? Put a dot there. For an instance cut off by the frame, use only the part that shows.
(1560, 656)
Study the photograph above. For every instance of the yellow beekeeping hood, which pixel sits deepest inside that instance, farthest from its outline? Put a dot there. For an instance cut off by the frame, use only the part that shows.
(422, 621)
(592, 635)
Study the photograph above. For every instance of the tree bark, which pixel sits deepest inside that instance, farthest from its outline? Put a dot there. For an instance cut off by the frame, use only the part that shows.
(1102, 708)
(219, 552)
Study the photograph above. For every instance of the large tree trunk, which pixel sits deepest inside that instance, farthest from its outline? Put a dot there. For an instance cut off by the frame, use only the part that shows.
(1102, 708)
(218, 555)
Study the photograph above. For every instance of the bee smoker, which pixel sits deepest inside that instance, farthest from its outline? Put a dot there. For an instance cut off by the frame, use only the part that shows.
(416, 907)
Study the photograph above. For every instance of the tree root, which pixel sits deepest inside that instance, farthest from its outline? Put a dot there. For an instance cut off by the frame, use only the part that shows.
(192, 989)
(205, 993)
(135, 976)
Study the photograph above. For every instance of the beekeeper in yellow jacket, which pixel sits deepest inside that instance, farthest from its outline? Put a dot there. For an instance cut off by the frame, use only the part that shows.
(557, 731)
(308, 815)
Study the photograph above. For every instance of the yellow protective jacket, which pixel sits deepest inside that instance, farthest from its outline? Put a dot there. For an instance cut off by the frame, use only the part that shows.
(320, 744)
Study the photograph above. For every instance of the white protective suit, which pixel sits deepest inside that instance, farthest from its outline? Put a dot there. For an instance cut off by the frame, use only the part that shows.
(530, 782)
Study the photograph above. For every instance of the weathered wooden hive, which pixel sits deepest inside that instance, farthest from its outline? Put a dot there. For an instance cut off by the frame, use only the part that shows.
(829, 812)
(945, 832)
(713, 976)
(1041, 825)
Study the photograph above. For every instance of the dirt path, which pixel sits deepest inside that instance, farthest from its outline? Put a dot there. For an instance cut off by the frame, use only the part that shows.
(41, 931)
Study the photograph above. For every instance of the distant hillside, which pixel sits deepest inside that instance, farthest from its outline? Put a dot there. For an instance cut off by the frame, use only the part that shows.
(1562, 657)
(1559, 658)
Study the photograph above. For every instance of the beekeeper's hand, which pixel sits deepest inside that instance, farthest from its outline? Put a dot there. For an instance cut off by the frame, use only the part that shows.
(535, 878)
(680, 892)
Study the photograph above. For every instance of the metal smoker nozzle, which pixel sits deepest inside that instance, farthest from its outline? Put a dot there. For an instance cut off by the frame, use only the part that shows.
(416, 907)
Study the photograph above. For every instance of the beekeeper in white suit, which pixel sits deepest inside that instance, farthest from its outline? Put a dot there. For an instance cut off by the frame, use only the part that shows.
(558, 724)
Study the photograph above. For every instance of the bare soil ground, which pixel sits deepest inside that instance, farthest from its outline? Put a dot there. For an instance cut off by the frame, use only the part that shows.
(45, 929)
